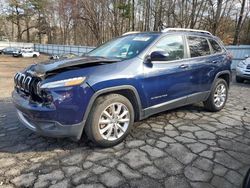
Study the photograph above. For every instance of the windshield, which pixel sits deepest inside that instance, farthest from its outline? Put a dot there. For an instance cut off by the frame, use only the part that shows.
(124, 47)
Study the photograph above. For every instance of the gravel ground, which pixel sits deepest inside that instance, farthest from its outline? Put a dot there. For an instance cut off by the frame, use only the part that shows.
(186, 147)
(8, 67)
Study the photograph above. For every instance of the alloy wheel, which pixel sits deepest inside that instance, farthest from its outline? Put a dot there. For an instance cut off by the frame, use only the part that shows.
(220, 95)
(114, 121)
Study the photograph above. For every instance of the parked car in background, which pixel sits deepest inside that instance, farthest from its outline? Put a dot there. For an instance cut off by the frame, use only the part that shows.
(8, 50)
(243, 70)
(30, 53)
(17, 53)
(63, 56)
(124, 80)
(25, 49)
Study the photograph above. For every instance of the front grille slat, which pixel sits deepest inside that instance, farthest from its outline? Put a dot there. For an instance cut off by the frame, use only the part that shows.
(248, 66)
(27, 84)
(22, 81)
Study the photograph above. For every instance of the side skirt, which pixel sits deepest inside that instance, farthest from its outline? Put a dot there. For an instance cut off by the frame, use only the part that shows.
(183, 101)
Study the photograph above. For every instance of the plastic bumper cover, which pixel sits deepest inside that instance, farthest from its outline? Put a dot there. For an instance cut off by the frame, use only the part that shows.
(51, 128)
(243, 73)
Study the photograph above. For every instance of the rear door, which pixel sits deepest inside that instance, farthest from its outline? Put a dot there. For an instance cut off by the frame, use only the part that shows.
(219, 57)
(200, 63)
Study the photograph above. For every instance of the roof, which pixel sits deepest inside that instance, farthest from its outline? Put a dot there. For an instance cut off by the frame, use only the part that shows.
(187, 30)
(170, 30)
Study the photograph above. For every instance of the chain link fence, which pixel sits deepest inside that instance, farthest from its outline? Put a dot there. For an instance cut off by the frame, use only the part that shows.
(239, 52)
(51, 49)
(54, 49)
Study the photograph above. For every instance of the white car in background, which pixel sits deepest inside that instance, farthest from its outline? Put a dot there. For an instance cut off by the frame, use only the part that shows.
(243, 70)
(30, 53)
(26, 49)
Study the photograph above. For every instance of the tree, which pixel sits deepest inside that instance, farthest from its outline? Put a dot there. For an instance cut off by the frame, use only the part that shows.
(239, 22)
(16, 16)
(91, 22)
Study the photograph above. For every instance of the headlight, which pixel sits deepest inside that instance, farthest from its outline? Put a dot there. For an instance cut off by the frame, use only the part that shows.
(241, 64)
(64, 83)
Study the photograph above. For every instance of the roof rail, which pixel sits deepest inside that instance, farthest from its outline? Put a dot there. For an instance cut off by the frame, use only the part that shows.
(130, 32)
(184, 29)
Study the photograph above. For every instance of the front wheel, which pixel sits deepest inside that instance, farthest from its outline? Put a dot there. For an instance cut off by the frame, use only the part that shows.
(218, 96)
(110, 120)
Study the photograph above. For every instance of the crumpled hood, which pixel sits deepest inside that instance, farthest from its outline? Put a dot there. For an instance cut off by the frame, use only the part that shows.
(43, 68)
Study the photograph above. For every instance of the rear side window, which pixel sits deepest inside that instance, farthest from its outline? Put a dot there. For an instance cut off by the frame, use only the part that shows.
(198, 46)
(215, 46)
(172, 45)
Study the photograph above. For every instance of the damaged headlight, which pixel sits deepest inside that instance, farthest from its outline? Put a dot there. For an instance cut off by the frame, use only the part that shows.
(64, 83)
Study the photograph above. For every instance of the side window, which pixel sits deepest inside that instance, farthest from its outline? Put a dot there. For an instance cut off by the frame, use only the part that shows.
(173, 47)
(215, 46)
(198, 46)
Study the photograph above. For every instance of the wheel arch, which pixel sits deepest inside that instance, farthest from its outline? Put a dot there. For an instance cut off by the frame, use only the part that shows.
(127, 91)
(225, 75)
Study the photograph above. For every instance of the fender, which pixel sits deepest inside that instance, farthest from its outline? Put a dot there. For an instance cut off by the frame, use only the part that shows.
(221, 73)
(108, 90)
(217, 76)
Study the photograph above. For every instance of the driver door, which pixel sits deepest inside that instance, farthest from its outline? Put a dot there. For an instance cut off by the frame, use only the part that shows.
(167, 81)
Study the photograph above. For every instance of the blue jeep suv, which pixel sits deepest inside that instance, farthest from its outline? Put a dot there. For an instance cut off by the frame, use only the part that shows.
(124, 80)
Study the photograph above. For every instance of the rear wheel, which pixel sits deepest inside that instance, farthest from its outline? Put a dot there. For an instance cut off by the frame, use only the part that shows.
(34, 55)
(239, 79)
(110, 120)
(218, 96)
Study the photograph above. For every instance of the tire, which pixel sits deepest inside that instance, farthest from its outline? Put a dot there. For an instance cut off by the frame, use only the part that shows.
(34, 55)
(211, 103)
(94, 127)
(239, 79)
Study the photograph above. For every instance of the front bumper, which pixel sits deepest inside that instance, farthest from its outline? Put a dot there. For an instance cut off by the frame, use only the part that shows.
(17, 55)
(64, 117)
(50, 128)
(243, 73)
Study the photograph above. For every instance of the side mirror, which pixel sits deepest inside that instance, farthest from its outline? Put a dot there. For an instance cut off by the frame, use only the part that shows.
(246, 56)
(159, 56)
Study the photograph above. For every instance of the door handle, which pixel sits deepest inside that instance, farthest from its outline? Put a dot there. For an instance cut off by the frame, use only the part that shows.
(184, 66)
(214, 61)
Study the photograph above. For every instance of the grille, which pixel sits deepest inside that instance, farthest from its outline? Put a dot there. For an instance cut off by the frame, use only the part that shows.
(248, 66)
(27, 84)
(23, 82)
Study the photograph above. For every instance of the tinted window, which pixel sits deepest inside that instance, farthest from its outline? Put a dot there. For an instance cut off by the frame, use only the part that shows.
(198, 46)
(215, 46)
(172, 46)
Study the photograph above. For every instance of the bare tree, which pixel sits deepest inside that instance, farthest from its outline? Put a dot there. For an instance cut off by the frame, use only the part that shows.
(239, 22)
(91, 22)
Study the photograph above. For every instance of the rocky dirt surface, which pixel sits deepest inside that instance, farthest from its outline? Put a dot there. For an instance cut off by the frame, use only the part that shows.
(186, 147)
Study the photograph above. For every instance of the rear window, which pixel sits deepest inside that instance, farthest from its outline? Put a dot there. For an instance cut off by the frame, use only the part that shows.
(198, 46)
(215, 46)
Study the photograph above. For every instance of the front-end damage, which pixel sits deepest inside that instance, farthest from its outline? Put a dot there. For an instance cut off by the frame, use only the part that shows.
(51, 103)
